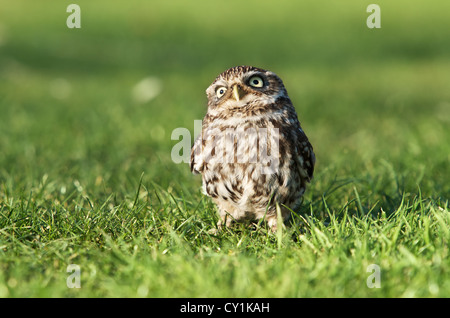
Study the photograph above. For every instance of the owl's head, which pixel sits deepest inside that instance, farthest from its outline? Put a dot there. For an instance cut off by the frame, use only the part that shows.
(242, 86)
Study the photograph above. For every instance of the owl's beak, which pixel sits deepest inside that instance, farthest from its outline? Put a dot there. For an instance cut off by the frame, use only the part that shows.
(238, 92)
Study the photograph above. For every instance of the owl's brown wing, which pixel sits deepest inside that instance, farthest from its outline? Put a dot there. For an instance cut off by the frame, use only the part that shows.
(196, 156)
(305, 155)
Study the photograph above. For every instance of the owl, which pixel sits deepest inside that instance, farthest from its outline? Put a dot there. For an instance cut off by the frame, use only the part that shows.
(253, 155)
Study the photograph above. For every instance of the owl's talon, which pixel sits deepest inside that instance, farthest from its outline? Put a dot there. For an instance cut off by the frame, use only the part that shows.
(213, 231)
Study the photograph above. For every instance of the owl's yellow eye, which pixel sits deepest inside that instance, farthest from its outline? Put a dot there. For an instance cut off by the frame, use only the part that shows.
(221, 91)
(256, 81)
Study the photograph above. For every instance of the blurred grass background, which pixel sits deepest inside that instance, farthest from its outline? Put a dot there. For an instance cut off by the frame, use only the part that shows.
(66, 94)
(74, 115)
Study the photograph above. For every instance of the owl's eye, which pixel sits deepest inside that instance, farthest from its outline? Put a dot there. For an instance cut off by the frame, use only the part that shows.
(221, 91)
(256, 81)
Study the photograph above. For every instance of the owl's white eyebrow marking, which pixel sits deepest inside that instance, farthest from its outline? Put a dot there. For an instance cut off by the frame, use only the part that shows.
(212, 88)
(220, 83)
(253, 73)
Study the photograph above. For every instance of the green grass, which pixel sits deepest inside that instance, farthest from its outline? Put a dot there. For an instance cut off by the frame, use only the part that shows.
(86, 175)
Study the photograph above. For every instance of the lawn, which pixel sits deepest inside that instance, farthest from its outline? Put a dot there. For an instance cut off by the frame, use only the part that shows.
(87, 178)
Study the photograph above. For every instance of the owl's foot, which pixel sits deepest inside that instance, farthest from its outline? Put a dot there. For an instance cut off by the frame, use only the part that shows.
(225, 220)
(220, 225)
(273, 224)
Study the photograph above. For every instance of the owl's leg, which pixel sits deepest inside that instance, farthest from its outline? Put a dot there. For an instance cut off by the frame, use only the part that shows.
(227, 213)
(272, 218)
(273, 224)
(225, 220)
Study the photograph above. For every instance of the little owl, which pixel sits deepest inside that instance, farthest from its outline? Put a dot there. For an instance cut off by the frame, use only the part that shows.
(252, 152)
